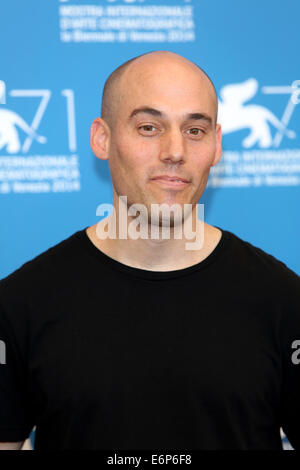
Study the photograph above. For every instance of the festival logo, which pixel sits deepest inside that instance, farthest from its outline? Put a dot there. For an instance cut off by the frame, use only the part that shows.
(234, 115)
(9, 137)
(260, 148)
(22, 113)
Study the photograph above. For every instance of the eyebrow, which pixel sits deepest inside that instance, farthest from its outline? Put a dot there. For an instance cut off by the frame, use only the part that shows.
(156, 112)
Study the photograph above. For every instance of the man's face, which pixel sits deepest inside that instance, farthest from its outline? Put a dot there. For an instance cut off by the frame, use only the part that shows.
(165, 125)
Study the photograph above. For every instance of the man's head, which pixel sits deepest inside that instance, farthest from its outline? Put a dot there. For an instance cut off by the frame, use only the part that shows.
(158, 118)
(111, 89)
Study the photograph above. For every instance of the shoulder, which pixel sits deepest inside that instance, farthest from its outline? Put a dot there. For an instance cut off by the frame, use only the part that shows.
(259, 265)
(28, 295)
(52, 263)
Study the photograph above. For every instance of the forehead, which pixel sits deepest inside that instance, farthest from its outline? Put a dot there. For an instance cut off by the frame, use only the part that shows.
(171, 86)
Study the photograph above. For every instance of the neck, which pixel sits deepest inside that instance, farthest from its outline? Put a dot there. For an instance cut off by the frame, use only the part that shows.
(139, 248)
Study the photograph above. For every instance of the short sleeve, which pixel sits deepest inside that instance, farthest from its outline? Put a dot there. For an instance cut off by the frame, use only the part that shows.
(15, 421)
(290, 343)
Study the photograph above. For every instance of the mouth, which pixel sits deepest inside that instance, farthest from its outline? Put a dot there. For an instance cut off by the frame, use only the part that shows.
(172, 181)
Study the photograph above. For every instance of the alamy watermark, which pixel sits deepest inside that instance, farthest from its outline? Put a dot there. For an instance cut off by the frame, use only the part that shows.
(2, 352)
(164, 221)
(296, 354)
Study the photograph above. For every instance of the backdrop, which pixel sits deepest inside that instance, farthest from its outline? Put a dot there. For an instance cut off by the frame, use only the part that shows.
(55, 57)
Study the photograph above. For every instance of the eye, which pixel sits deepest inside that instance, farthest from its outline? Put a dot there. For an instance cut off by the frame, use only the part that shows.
(195, 131)
(147, 128)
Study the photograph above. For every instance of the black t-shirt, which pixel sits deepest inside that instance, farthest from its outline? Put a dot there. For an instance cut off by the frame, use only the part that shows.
(101, 355)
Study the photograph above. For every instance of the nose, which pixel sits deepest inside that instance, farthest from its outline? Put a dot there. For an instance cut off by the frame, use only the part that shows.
(172, 147)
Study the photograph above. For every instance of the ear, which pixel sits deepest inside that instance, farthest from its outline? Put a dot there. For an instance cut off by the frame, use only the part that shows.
(100, 136)
(218, 151)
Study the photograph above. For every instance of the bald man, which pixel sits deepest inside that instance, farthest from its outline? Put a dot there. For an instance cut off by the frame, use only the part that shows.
(122, 338)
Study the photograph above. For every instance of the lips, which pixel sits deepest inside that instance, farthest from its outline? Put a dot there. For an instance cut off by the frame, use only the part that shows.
(177, 179)
(170, 182)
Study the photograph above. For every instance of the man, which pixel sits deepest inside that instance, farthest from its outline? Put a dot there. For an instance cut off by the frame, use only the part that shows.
(119, 342)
